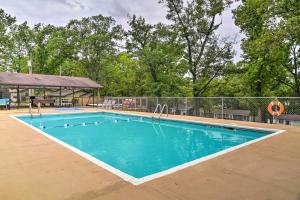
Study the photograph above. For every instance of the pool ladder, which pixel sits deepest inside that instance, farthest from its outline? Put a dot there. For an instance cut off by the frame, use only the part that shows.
(161, 108)
(39, 109)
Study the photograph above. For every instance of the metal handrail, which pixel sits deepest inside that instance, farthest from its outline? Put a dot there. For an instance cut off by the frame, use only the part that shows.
(162, 110)
(30, 109)
(39, 109)
(156, 109)
(157, 106)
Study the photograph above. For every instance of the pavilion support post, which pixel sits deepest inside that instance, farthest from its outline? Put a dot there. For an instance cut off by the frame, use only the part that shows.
(18, 96)
(59, 96)
(98, 95)
(93, 98)
(73, 100)
(44, 93)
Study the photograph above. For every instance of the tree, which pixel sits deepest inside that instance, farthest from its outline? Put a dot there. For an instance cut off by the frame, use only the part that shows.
(196, 24)
(162, 61)
(96, 40)
(40, 52)
(22, 46)
(61, 52)
(6, 43)
(139, 35)
(289, 31)
(159, 56)
(122, 76)
(232, 84)
(271, 46)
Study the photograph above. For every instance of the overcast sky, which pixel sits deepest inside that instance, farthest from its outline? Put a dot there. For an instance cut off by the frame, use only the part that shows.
(59, 12)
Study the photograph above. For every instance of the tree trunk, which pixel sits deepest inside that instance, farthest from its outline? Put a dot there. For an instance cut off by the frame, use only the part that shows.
(196, 102)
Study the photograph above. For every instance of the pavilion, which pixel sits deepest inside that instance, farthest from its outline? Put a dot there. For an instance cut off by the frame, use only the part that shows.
(41, 81)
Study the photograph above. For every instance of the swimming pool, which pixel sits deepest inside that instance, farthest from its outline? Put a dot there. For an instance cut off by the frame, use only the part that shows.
(138, 148)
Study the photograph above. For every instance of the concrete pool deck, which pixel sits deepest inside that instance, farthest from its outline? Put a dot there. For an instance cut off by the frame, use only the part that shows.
(35, 167)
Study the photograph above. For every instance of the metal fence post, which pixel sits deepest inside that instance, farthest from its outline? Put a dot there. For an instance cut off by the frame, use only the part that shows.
(222, 107)
(186, 106)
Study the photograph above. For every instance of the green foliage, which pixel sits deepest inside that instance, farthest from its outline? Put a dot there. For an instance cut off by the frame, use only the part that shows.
(22, 40)
(6, 43)
(184, 58)
(95, 41)
(40, 53)
(196, 24)
(139, 35)
(271, 47)
(122, 78)
(160, 58)
(60, 53)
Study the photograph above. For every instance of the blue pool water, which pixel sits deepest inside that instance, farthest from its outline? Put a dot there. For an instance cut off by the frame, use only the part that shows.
(137, 145)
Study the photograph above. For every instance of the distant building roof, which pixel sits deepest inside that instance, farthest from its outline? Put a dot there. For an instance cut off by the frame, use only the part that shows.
(41, 80)
(290, 117)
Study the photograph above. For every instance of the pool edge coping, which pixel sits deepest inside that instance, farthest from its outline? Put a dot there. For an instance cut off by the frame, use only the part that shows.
(138, 181)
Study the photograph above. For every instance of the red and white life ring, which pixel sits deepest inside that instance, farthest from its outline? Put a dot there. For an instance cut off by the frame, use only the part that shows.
(275, 103)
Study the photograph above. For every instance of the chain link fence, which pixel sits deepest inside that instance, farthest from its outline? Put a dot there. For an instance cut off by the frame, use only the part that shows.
(252, 109)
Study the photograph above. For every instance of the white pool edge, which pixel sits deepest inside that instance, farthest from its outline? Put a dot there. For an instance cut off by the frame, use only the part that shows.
(138, 181)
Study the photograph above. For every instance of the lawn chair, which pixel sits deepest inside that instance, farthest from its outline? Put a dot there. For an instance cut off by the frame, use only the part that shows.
(112, 104)
(6, 103)
(105, 104)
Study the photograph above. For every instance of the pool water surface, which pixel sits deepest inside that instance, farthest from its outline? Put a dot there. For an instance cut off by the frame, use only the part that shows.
(137, 146)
